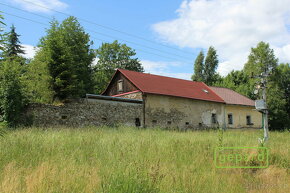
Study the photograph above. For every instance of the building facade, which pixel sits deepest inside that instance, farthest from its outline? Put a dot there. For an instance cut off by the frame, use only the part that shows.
(170, 102)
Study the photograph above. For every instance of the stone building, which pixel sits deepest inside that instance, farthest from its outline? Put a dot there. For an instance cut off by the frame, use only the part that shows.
(146, 100)
(170, 102)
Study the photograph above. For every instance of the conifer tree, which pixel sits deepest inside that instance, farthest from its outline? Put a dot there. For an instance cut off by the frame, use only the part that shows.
(13, 46)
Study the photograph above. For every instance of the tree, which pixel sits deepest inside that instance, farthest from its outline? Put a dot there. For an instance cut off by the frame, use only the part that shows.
(279, 98)
(69, 57)
(210, 66)
(237, 81)
(260, 59)
(2, 36)
(111, 56)
(37, 80)
(13, 47)
(198, 68)
(12, 98)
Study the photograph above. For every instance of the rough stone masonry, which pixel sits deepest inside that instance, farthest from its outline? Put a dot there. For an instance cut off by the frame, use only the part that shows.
(86, 112)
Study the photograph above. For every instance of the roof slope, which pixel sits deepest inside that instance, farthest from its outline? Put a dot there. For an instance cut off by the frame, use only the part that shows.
(154, 84)
(232, 97)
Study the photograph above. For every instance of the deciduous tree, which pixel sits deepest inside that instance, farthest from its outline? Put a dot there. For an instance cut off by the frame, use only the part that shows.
(210, 66)
(69, 57)
(199, 68)
(110, 57)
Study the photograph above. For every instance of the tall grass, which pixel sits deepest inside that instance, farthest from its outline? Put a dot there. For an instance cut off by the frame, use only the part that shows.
(125, 160)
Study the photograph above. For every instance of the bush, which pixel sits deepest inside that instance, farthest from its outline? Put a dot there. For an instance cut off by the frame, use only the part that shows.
(12, 99)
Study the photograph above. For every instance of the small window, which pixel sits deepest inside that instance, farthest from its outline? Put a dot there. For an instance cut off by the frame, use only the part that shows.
(63, 117)
(186, 123)
(168, 122)
(230, 119)
(137, 122)
(154, 121)
(104, 118)
(249, 120)
(213, 118)
(120, 86)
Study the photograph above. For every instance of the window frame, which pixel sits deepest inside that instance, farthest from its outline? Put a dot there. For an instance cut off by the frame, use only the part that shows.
(120, 88)
(232, 119)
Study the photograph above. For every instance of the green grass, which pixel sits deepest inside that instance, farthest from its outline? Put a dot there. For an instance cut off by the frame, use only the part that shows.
(129, 160)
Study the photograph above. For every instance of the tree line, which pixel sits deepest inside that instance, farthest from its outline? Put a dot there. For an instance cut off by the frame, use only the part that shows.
(261, 58)
(63, 67)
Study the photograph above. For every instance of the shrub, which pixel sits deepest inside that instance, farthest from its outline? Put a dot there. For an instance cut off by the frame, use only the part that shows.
(12, 99)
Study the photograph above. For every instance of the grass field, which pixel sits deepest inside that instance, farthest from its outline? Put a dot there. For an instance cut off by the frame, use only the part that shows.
(129, 160)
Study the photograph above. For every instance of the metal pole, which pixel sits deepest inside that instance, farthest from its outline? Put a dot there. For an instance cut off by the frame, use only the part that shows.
(266, 126)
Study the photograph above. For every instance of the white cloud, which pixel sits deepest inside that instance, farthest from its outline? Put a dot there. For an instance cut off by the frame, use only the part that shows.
(29, 50)
(232, 27)
(31, 5)
(163, 69)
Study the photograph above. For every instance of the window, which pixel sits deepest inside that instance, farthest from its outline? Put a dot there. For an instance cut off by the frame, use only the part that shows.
(230, 119)
(213, 118)
(137, 122)
(186, 123)
(120, 86)
(249, 120)
(63, 117)
(168, 122)
(154, 122)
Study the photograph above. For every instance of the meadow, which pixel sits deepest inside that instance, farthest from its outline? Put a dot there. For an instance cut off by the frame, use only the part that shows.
(130, 160)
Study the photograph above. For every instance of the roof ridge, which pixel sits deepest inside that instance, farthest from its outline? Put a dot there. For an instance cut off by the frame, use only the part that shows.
(157, 75)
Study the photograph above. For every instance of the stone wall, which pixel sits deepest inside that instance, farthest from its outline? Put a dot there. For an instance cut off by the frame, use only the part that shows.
(86, 112)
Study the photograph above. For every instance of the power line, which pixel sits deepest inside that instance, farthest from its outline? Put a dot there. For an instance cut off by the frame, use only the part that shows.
(113, 37)
(92, 37)
(24, 18)
(107, 27)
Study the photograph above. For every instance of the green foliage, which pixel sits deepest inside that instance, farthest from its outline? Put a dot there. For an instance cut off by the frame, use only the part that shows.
(198, 68)
(260, 59)
(205, 69)
(2, 36)
(237, 81)
(111, 56)
(37, 80)
(12, 98)
(210, 66)
(279, 98)
(13, 47)
(66, 48)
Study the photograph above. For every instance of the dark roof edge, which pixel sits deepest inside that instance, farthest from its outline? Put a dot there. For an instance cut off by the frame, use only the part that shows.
(102, 97)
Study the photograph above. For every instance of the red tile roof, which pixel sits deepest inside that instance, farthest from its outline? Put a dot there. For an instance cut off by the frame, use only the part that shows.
(154, 84)
(232, 97)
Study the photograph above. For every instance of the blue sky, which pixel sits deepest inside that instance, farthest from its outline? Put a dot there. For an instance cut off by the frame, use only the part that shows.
(177, 30)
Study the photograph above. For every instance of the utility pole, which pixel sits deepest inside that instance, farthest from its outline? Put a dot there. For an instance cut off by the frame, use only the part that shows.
(261, 105)
(265, 110)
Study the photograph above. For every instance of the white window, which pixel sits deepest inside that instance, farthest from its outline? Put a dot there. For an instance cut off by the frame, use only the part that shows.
(120, 86)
